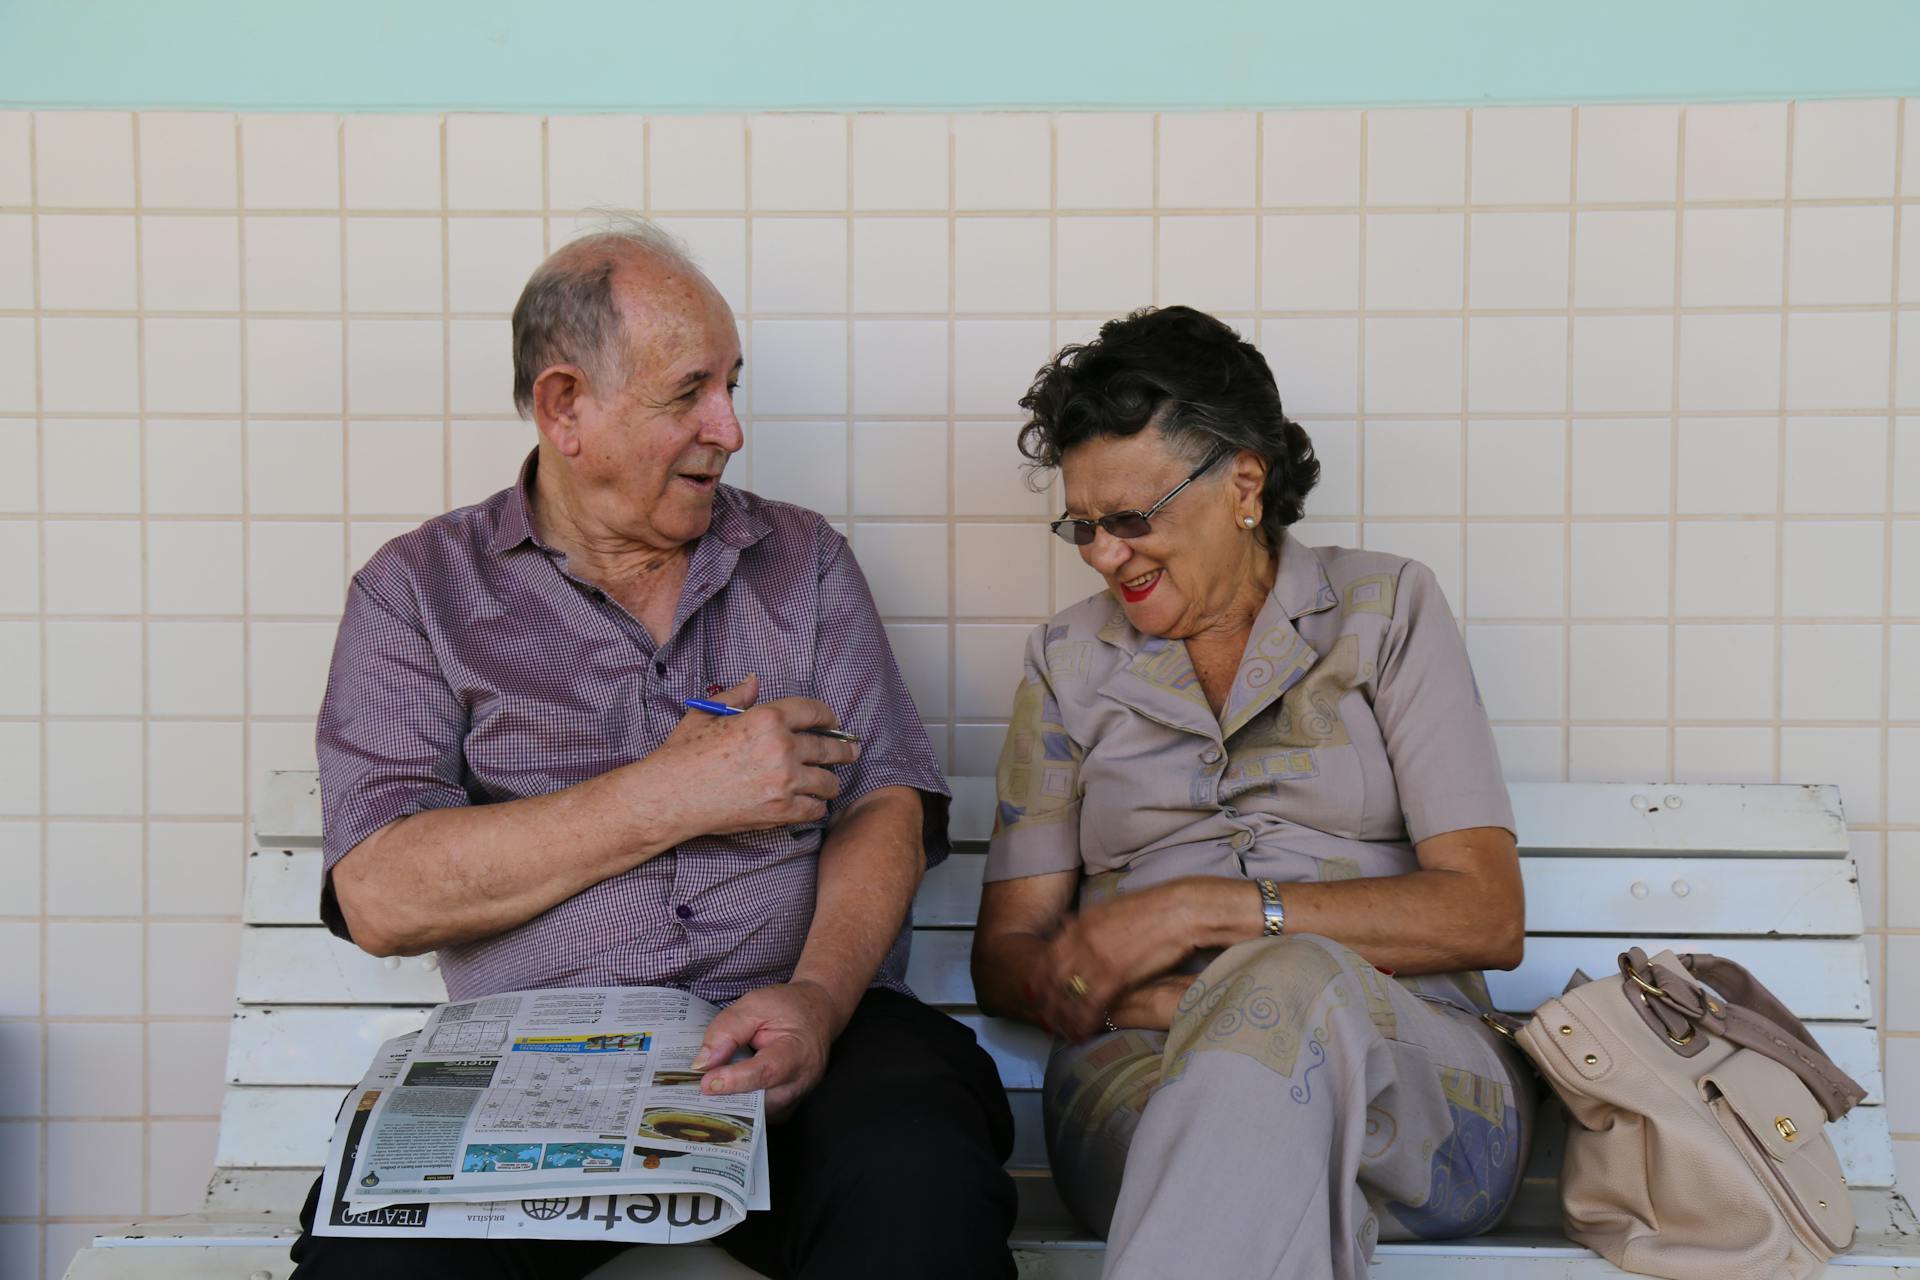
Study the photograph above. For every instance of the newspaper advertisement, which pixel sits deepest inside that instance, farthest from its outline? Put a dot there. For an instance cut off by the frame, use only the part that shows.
(566, 1092)
(654, 1218)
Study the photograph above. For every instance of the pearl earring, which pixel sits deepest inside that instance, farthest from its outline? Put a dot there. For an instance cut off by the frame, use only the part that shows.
(1248, 521)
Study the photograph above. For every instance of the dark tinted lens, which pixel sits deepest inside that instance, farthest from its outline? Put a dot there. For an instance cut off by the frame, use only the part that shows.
(1126, 524)
(1078, 532)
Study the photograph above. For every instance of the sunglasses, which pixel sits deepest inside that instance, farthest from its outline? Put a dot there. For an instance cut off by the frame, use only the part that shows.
(1128, 524)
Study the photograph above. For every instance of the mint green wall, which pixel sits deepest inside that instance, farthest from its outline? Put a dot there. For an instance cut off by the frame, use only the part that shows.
(692, 55)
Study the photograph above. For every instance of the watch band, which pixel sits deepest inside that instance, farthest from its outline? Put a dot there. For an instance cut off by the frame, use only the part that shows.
(1270, 908)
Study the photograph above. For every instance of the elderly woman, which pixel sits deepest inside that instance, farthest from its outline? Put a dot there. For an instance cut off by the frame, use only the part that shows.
(1253, 846)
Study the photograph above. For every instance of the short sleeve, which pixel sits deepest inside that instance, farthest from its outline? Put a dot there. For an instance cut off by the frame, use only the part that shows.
(390, 733)
(1434, 724)
(855, 673)
(1036, 823)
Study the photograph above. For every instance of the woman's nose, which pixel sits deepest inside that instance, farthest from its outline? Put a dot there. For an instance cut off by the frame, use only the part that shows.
(1105, 553)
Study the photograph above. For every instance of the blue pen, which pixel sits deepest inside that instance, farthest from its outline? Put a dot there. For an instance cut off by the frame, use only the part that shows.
(711, 707)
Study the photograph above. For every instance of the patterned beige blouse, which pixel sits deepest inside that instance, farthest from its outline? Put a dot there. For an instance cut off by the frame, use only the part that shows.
(1353, 729)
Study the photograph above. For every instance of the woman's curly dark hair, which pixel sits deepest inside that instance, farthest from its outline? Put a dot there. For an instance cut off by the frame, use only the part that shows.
(1186, 373)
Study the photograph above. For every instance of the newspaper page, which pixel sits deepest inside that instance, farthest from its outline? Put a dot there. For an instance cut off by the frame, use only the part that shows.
(669, 1218)
(562, 1092)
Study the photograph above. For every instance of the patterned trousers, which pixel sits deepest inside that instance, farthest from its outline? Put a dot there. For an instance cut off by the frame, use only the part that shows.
(1302, 1107)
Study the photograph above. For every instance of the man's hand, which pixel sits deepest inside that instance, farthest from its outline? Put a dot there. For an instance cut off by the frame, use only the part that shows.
(790, 1029)
(760, 769)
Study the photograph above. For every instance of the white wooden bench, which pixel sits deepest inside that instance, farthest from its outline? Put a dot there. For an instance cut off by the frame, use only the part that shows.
(1757, 873)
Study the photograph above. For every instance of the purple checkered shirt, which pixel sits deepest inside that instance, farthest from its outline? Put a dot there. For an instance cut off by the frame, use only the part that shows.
(471, 667)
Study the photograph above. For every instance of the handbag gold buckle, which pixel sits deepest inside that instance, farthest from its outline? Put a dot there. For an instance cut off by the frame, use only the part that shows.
(1644, 985)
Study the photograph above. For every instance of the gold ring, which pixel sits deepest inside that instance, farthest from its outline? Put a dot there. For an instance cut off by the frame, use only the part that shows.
(1077, 987)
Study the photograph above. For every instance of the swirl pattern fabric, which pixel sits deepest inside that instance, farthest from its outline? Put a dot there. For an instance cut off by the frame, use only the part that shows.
(1303, 1107)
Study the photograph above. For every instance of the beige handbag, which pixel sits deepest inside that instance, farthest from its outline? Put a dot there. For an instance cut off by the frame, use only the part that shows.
(1696, 1148)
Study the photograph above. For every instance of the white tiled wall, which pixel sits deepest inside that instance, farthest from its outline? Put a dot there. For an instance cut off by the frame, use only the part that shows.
(1641, 383)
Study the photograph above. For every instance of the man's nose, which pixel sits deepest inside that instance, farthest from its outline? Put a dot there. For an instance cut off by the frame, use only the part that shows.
(720, 426)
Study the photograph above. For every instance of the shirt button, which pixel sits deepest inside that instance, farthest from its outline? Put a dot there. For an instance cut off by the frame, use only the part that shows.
(1241, 839)
(660, 668)
(684, 911)
(1210, 756)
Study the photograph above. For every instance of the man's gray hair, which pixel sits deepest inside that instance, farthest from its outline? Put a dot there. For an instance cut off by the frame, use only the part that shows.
(567, 313)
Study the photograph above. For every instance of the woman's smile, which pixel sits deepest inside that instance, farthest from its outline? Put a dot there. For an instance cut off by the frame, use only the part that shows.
(1134, 590)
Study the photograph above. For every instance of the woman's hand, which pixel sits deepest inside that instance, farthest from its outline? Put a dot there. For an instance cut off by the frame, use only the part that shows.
(1151, 1005)
(1110, 948)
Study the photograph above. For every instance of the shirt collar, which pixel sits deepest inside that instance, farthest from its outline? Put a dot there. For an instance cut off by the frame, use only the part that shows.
(515, 523)
(734, 523)
(1301, 585)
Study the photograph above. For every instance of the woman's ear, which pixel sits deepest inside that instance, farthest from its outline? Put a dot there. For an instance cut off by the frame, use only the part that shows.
(557, 394)
(1249, 481)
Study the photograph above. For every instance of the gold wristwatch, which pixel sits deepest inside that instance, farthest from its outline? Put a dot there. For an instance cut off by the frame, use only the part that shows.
(1276, 915)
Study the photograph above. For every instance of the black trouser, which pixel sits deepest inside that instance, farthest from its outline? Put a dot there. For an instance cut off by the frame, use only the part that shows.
(890, 1167)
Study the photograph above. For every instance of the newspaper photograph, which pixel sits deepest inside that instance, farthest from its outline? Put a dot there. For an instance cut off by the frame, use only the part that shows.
(561, 1093)
(655, 1218)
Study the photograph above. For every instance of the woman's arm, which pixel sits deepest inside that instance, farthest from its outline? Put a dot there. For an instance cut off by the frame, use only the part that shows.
(1462, 909)
(1010, 940)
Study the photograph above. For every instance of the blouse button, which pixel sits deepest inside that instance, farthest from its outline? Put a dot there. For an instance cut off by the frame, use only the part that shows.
(1210, 756)
(1241, 839)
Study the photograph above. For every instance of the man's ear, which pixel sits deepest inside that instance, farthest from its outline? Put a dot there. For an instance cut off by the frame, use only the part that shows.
(557, 394)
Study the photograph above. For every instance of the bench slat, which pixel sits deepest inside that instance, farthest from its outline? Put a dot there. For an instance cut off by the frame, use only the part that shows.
(331, 1045)
(1580, 818)
(1762, 819)
(268, 1199)
(287, 812)
(1813, 897)
(1598, 895)
(311, 966)
(287, 1127)
(1767, 819)
(1817, 978)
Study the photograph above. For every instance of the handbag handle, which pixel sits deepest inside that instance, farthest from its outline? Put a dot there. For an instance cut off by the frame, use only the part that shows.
(1754, 1018)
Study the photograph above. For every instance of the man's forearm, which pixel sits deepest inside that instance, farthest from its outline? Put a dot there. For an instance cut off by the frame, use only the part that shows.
(447, 876)
(870, 866)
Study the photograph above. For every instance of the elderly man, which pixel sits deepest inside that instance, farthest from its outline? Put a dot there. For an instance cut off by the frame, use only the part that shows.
(509, 778)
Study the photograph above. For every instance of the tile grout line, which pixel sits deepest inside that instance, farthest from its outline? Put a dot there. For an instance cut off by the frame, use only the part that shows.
(248, 738)
(936, 214)
(1673, 449)
(1886, 570)
(1360, 340)
(850, 472)
(1568, 452)
(1466, 360)
(146, 681)
(1778, 683)
(43, 942)
(344, 567)
(952, 732)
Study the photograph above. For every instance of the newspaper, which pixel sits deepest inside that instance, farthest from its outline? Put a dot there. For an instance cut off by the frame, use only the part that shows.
(564, 1093)
(654, 1218)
